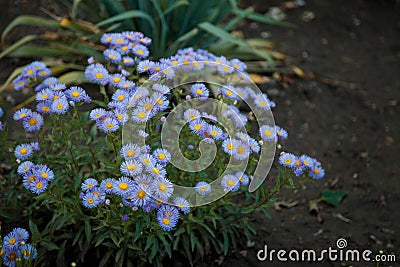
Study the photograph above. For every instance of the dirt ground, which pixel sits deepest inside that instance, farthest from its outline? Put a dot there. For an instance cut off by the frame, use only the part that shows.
(352, 126)
(347, 121)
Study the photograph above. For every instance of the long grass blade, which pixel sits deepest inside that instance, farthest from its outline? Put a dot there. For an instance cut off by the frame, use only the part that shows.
(29, 20)
(18, 44)
(127, 15)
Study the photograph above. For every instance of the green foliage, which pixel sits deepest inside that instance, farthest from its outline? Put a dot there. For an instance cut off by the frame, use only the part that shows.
(171, 24)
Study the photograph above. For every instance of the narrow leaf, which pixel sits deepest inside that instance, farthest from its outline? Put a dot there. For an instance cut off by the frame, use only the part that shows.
(29, 20)
(127, 15)
(20, 42)
(216, 31)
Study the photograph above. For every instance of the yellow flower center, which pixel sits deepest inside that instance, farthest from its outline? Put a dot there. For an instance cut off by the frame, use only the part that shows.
(75, 94)
(267, 133)
(199, 92)
(141, 115)
(203, 188)
(230, 182)
(121, 97)
(131, 167)
(162, 187)
(123, 186)
(90, 200)
(228, 93)
(225, 68)
(32, 121)
(116, 80)
(140, 52)
(12, 241)
(262, 104)
(130, 153)
(160, 101)
(45, 175)
(45, 96)
(197, 127)
(166, 221)
(288, 161)
(148, 107)
(39, 185)
(195, 63)
(60, 106)
(23, 151)
(109, 185)
(29, 72)
(156, 170)
(161, 156)
(45, 108)
(240, 150)
(230, 146)
(141, 194)
(22, 115)
(99, 75)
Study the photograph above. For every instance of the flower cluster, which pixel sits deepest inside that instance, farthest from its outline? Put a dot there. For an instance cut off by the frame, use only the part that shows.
(302, 164)
(31, 73)
(35, 177)
(144, 185)
(52, 96)
(16, 249)
(144, 182)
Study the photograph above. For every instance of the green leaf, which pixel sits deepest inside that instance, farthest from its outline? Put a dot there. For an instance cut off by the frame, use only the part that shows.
(105, 258)
(264, 19)
(49, 245)
(16, 45)
(88, 230)
(149, 242)
(33, 229)
(73, 77)
(226, 242)
(216, 31)
(14, 74)
(154, 249)
(333, 197)
(74, 9)
(127, 15)
(266, 212)
(32, 50)
(29, 20)
(175, 6)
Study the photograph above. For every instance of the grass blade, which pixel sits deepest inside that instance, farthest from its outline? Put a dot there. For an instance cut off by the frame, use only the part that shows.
(29, 20)
(16, 45)
(222, 34)
(264, 19)
(127, 15)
